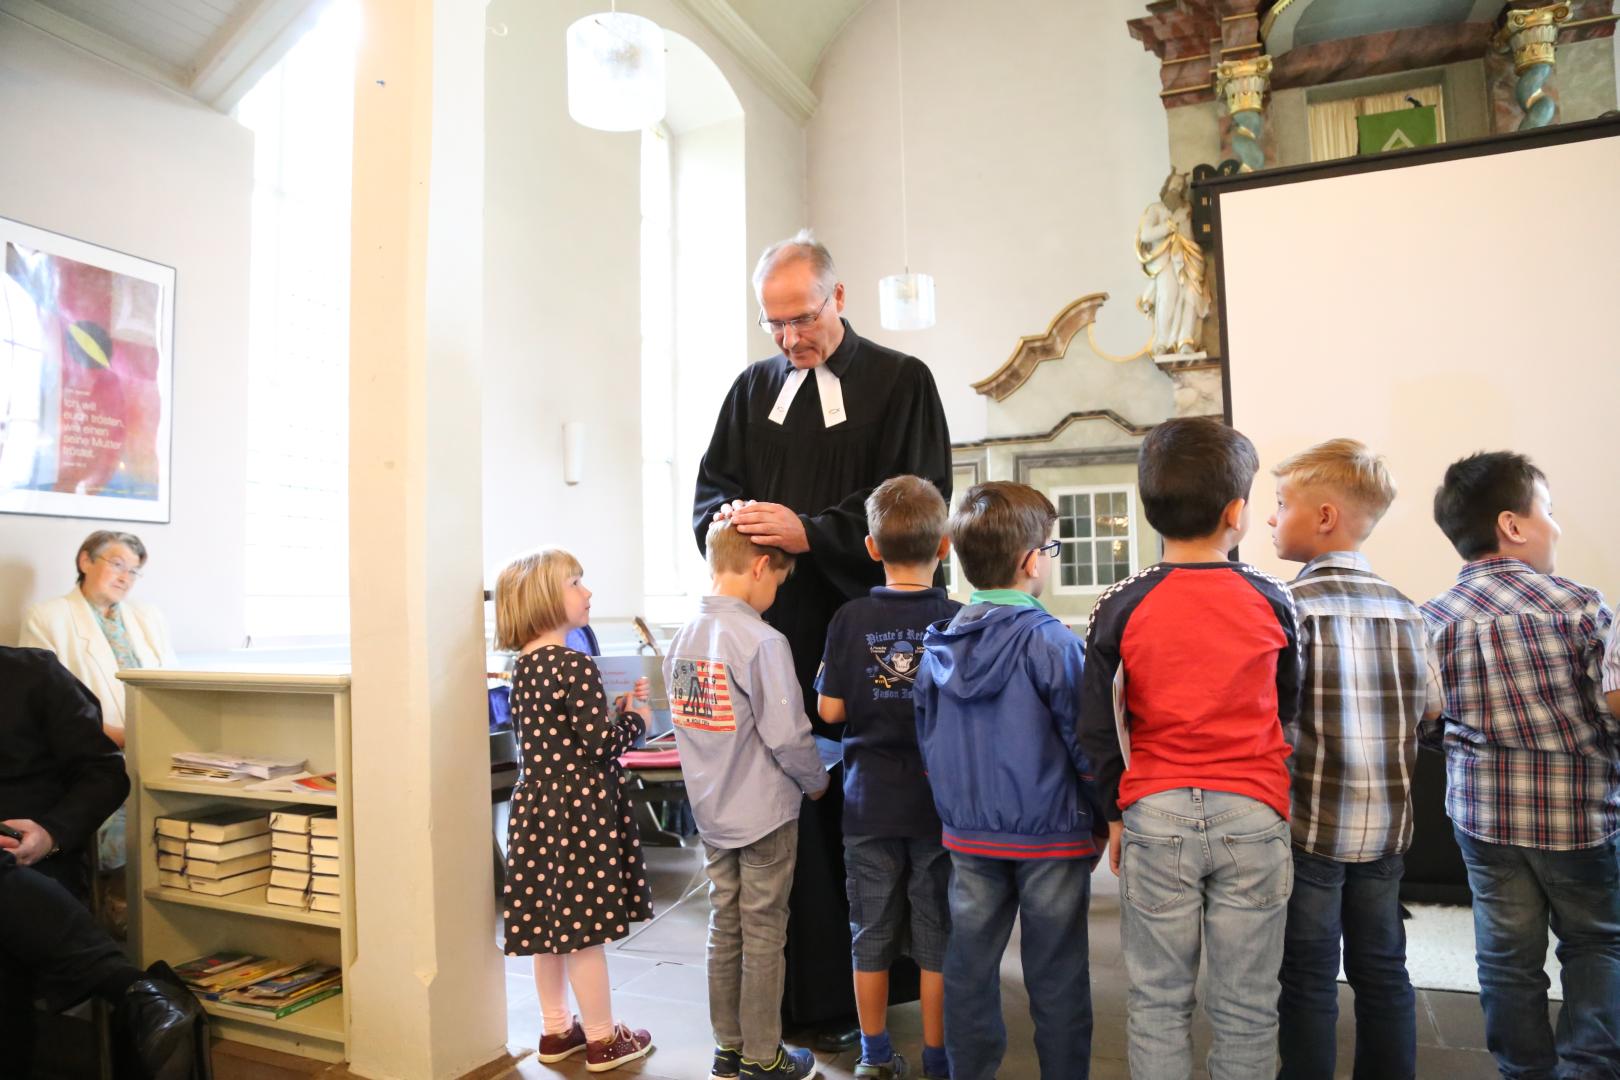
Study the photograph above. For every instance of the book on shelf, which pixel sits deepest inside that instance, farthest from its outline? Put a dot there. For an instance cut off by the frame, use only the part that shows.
(325, 883)
(326, 864)
(293, 898)
(214, 870)
(248, 845)
(290, 879)
(169, 861)
(303, 784)
(171, 845)
(214, 828)
(300, 819)
(224, 766)
(326, 825)
(227, 886)
(242, 980)
(290, 860)
(329, 847)
(332, 905)
(290, 841)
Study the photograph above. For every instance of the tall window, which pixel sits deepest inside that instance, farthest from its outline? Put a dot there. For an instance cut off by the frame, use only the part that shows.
(1097, 527)
(301, 114)
(661, 512)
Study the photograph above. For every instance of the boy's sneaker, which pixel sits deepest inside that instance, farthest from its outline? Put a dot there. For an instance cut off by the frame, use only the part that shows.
(727, 1062)
(789, 1065)
(554, 1048)
(893, 1069)
(624, 1045)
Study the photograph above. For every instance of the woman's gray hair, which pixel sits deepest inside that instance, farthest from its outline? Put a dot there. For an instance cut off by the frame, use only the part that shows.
(801, 247)
(101, 540)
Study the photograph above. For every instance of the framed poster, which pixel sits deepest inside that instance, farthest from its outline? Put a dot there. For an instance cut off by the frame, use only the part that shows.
(86, 378)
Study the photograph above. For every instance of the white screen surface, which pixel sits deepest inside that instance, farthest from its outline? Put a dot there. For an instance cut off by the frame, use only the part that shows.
(1431, 311)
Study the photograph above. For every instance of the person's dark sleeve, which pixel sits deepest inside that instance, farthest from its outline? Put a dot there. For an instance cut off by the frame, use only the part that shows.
(1290, 659)
(90, 765)
(720, 473)
(915, 442)
(1060, 673)
(1097, 734)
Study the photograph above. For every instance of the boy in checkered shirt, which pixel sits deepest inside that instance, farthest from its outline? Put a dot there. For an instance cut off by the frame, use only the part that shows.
(1532, 781)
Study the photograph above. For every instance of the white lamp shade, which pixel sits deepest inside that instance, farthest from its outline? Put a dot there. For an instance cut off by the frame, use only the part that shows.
(573, 451)
(616, 72)
(906, 301)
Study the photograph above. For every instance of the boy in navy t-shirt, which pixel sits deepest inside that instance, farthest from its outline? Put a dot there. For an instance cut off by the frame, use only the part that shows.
(892, 852)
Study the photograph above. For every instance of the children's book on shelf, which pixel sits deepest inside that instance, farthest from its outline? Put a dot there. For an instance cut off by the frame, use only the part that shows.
(243, 980)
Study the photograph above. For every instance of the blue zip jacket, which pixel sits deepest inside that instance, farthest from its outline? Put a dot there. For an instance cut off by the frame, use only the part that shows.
(998, 700)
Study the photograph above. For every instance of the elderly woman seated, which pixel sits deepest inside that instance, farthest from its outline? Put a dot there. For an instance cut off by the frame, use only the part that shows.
(95, 631)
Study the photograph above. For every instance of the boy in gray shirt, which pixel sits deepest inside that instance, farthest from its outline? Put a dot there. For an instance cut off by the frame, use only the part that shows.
(747, 755)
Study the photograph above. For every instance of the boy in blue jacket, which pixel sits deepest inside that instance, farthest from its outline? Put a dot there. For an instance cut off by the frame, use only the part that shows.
(997, 699)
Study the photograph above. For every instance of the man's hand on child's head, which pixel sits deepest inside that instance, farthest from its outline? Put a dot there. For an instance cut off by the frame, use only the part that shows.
(1116, 840)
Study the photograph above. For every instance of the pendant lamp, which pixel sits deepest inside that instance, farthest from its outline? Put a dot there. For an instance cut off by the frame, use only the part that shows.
(616, 71)
(905, 300)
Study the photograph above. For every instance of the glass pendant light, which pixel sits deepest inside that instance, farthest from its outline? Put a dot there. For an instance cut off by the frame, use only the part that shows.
(616, 71)
(905, 300)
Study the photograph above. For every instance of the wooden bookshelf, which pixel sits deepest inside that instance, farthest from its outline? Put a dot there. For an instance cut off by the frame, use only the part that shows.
(294, 714)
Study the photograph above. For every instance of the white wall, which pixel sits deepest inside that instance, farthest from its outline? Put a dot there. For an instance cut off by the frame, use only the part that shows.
(562, 330)
(98, 154)
(1034, 137)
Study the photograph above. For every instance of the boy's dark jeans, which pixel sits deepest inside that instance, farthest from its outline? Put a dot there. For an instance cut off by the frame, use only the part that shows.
(1518, 893)
(1360, 904)
(1050, 897)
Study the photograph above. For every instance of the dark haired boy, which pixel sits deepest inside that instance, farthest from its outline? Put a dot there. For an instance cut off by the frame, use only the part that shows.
(897, 871)
(997, 703)
(1192, 671)
(1532, 783)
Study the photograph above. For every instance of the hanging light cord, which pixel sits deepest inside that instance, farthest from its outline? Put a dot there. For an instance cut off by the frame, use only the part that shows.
(900, 83)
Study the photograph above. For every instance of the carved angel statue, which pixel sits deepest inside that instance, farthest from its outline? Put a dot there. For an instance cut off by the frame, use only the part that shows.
(1176, 297)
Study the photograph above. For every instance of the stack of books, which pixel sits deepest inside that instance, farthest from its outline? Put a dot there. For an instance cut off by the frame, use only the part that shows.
(225, 767)
(219, 855)
(306, 861)
(268, 986)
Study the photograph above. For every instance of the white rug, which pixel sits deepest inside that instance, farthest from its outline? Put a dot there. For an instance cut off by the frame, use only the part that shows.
(1440, 951)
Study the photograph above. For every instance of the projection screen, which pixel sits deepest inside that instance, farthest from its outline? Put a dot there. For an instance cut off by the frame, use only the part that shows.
(1433, 303)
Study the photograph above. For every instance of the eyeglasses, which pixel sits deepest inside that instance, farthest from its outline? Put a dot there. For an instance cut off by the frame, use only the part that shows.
(1050, 549)
(801, 324)
(120, 567)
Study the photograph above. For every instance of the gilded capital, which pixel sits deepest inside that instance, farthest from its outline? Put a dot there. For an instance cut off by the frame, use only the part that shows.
(1243, 82)
(1532, 34)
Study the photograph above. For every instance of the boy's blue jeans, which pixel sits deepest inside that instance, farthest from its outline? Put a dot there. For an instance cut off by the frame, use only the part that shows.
(1050, 897)
(1518, 893)
(1360, 904)
(1203, 872)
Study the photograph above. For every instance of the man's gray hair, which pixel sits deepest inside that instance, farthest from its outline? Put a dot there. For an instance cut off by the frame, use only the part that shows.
(801, 247)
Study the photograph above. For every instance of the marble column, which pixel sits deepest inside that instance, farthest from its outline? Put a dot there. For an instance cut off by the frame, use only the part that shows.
(1243, 83)
(1532, 35)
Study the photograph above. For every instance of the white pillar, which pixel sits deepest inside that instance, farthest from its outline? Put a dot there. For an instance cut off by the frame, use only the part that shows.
(426, 990)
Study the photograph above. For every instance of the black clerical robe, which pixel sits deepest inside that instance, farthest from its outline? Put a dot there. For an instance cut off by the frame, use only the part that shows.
(894, 425)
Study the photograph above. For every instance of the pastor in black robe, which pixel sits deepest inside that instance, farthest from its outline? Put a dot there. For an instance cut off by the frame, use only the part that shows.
(894, 425)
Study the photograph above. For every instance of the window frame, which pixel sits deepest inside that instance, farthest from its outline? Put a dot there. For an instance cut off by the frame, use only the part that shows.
(1132, 535)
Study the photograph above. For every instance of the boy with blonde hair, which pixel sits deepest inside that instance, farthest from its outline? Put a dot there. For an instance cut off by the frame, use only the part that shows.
(747, 756)
(1369, 680)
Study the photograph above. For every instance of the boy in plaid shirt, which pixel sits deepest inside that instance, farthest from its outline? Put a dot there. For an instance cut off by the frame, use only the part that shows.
(1532, 783)
(1370, 678)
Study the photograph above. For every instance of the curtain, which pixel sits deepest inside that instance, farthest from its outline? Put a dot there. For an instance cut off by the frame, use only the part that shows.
(1333, 123)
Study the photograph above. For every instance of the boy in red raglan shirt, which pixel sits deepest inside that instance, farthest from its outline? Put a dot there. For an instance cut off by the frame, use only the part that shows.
(1201, 655)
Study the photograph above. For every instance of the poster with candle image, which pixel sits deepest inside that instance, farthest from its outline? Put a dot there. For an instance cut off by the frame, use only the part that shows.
(85, 379)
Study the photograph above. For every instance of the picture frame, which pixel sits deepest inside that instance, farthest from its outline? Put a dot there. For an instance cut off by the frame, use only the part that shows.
(86, 378)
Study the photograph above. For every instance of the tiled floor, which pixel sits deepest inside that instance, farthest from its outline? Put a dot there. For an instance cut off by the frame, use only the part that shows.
(659, 984)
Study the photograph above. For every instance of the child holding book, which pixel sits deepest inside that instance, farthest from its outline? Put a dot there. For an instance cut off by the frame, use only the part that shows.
(575, 879)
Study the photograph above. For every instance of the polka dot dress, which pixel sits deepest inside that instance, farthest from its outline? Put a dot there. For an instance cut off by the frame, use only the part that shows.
(574, 874)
